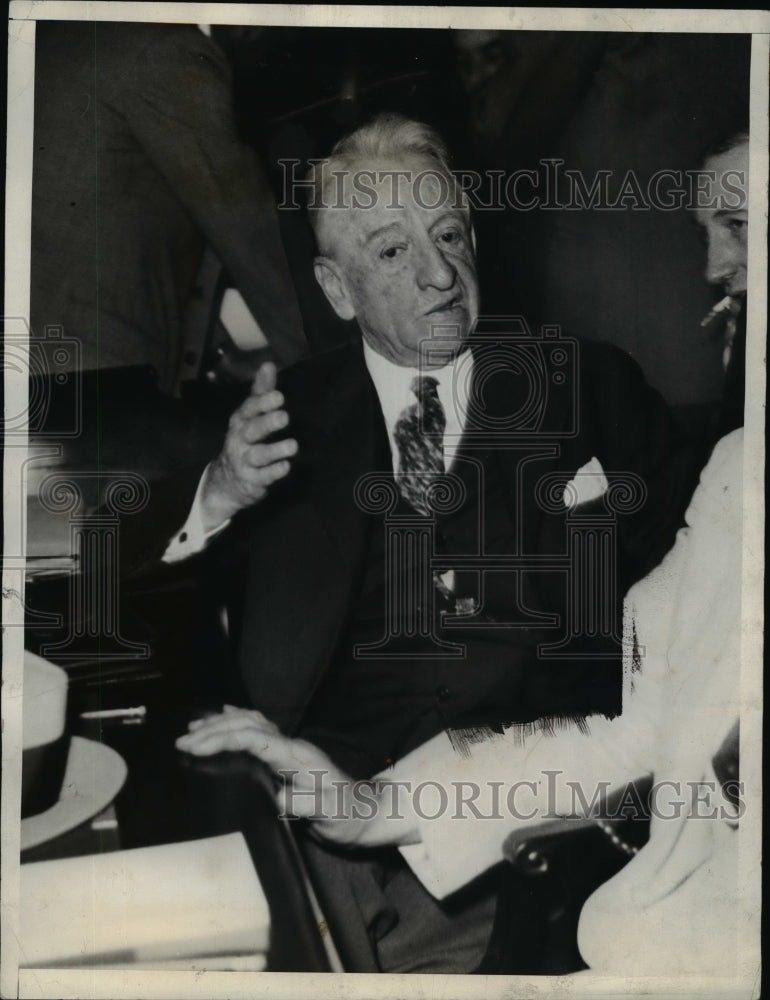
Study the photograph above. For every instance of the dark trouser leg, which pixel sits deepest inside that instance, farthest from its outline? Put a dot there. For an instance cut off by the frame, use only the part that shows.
(433, 935)
(383, 919)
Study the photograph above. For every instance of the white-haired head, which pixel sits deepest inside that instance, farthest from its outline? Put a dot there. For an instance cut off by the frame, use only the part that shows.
(388, 138)
(396, 249)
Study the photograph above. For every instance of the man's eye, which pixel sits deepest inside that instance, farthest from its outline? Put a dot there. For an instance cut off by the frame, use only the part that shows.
(737, 226)
(391, 252)
(451, 237)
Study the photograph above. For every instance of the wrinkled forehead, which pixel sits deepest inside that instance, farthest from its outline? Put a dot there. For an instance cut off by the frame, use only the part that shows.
(362, 197)
(726, 181)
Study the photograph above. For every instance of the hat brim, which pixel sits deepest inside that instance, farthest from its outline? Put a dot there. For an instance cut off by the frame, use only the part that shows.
(94, 775)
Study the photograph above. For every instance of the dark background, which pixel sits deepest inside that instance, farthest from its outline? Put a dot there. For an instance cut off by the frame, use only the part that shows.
(505, 100)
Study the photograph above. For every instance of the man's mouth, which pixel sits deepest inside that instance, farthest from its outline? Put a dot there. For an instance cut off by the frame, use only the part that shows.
(448, 305)
(734, 284)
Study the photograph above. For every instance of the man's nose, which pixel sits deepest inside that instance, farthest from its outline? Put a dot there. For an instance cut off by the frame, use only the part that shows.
(434, 270)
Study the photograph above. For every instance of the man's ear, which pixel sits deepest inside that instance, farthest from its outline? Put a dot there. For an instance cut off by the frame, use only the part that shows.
(328, 276)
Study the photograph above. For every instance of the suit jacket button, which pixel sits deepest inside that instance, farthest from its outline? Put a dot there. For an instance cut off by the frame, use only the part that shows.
(442, 692)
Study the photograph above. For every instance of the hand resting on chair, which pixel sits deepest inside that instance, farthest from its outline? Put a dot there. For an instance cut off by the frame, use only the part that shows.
(346, 812)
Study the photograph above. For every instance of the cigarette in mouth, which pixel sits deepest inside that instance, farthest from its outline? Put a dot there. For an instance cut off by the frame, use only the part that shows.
(726, 303)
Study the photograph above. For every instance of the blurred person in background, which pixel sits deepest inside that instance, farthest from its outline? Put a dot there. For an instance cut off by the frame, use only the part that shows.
(137, 168)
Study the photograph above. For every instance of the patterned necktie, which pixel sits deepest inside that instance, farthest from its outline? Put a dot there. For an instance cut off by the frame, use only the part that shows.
(419, 434)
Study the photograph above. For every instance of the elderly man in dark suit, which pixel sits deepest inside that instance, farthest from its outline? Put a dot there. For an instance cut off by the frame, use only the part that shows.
(412, 550)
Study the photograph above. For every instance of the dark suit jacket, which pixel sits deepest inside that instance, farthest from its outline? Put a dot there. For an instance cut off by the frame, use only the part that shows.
(294, 562)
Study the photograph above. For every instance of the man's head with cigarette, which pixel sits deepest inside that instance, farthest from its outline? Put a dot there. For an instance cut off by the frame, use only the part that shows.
(723, 215)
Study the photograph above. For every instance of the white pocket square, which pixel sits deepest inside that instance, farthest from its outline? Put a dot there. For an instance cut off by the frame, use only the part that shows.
(588, 483)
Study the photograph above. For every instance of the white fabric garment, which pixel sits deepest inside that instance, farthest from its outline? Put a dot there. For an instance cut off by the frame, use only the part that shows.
(672, 908)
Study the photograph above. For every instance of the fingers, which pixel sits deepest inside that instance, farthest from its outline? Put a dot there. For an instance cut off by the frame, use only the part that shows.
(247, 467)
(248, 463)
(265, 379)
(232, 711)
(197, 723)
(254, 405)
(237, 730)
(205, 743)
(202, 721)
(234, 719)
(250, 425)
(254, 481)
(261, 425)
(260, 456)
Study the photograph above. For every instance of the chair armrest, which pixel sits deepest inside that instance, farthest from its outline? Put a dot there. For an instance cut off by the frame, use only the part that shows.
(623, 822)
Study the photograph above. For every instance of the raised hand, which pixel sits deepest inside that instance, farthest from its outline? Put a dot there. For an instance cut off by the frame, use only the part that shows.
(246, 467)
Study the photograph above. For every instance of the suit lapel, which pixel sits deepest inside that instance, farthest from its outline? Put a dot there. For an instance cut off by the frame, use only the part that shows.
(352, 441)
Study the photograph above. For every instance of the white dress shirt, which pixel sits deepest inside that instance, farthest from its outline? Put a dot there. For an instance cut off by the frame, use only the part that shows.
(393, 386)
(393, 383)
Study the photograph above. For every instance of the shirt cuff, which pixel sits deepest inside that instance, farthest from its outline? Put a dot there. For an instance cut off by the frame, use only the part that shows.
(430, 784)
(455, 847)
(474, 857)
(191, 537)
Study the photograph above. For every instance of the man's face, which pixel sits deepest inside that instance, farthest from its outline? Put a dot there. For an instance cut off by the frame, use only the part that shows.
(725, 220)
(402, 266)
